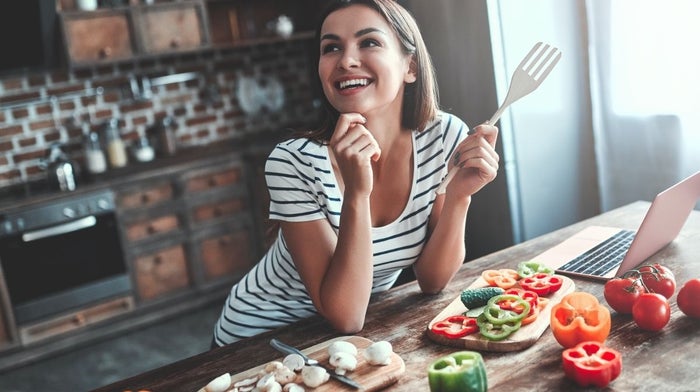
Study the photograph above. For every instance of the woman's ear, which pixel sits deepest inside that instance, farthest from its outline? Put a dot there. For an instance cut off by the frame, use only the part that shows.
(411, 72)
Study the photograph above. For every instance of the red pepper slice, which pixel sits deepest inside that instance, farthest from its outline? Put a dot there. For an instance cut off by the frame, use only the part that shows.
(532, 298)
(591, 363)
(542, 284)
(455, 327)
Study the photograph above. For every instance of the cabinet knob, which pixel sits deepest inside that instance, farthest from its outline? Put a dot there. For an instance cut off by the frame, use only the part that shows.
(150, 229)
(212, 182)
(105, 52)
(145, 199)
(79, 319)
(175, 42)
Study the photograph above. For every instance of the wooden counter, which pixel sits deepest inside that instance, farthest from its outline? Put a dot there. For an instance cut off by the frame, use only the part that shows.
(654, 361)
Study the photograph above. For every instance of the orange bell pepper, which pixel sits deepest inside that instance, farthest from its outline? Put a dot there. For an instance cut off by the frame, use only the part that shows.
(579, 317)
(504, 278)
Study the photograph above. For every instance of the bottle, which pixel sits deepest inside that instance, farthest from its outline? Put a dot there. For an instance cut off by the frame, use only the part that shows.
(116, 150)
(143, 151)
(94, 156)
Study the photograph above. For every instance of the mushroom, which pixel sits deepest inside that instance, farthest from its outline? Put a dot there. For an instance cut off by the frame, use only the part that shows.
(295, 362)
(343, 362)
(284, 375)
(219, 384)
(268, 384)
(292, 387)
(273, 366)
(379, 353)
(342, 346)
(314, 376)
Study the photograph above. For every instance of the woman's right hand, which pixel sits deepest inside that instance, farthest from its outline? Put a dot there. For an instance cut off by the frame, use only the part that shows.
(354, 149)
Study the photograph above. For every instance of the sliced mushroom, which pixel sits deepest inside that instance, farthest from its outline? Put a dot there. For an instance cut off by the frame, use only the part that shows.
(246, 382)
(284, 375)
(295, 362)
(292, 387)
(379, 353)
(314, 376)
(268, 384)
(219, 384)
(343, 362)
(342, 346)
(273, 366)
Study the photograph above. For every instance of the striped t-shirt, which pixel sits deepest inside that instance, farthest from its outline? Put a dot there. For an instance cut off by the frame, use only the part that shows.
(303, 187)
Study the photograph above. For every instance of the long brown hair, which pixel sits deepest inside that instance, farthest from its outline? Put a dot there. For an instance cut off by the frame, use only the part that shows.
(420, 100)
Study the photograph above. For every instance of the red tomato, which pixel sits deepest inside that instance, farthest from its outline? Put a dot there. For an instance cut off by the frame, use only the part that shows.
(688, 298)
(651, 311)
(620, 293)
(658, 279)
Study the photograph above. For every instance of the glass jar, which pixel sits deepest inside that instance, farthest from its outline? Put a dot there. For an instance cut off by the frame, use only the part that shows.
(94, 156)
(116, 149)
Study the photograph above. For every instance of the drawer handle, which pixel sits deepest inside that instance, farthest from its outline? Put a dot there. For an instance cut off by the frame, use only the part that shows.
(145, 198)
(175, 43)
(105, 52)
(212, 182)
(158, 260)
(151, 230)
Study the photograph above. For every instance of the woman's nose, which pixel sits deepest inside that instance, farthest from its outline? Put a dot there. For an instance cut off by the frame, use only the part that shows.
(349, 59)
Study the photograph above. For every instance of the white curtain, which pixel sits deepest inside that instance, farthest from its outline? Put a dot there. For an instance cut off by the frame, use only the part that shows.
(645, 91)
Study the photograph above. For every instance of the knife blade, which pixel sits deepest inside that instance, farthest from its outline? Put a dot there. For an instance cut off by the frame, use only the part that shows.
(287, 349)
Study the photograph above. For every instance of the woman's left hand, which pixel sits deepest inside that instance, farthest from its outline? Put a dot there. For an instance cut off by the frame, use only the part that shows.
(478, 161)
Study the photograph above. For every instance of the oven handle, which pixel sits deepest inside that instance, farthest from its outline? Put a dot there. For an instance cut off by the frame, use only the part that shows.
(65, 228)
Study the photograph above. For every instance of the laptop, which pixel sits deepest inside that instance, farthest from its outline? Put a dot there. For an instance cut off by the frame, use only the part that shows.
(600, 252)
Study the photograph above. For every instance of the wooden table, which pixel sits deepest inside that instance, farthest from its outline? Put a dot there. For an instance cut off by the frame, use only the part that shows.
(656, 361)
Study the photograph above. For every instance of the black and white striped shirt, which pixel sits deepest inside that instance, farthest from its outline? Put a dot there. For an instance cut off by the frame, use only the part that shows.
(303, 187)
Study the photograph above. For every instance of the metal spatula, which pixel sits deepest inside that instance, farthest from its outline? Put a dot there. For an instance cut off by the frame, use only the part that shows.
(530, 73)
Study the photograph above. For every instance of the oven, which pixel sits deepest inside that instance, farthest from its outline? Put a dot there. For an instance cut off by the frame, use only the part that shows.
(61, 255)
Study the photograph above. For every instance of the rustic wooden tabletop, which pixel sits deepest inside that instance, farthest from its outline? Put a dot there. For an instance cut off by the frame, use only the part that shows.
(654, 361)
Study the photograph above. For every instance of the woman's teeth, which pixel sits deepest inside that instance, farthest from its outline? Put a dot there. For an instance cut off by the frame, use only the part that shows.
(353, 83)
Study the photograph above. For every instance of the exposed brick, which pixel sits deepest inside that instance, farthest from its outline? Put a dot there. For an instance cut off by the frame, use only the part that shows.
(67, 105)
(20, 113)
(52, 136)
(36, 81)
(35, 170)
(11, 130)
(27, 142)
(41, 125)
(59, 77)
(11, 174)
(28, 156)
(200, 120)
(20, 97)
(43, 109)
(140, 120)
(12, 84)
(3, 161)
(6, 146)
(137, 105)
(71, 89)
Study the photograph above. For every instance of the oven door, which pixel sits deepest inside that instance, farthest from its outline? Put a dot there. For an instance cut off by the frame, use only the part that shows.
(57, 268)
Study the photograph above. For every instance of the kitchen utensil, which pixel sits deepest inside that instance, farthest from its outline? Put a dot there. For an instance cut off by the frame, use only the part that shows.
(62, 172)
(531, 71)
(287, 349)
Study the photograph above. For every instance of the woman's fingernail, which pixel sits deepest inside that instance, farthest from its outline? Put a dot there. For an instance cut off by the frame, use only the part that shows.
(471, 131)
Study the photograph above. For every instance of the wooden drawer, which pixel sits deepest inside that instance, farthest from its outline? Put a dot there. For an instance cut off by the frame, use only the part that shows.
(216, 210)
(161, 273)
(146, 197)
(226, 255)
(213, 180)
(97, 36)
(170, 27)
(145, 229)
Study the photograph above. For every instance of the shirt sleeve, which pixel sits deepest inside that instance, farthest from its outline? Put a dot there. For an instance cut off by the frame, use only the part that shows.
(454, 131)
(291, 184)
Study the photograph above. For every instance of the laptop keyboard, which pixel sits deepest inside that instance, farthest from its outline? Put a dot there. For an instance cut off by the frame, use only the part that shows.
(602, 258)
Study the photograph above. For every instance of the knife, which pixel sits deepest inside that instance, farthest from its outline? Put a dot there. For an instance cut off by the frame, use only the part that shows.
(287, 349)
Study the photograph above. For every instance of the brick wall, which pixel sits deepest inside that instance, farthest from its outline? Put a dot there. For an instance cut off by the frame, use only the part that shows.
(206, 109)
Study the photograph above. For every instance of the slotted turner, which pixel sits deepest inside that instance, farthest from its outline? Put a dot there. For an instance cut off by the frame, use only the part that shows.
(530, 73)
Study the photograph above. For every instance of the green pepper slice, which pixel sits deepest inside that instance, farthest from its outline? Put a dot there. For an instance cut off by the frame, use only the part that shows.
(462, 371)
(497, 315)
(496, 332)
(528, 268)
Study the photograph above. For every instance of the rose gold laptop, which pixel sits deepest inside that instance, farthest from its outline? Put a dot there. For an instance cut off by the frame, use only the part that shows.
(599, 252)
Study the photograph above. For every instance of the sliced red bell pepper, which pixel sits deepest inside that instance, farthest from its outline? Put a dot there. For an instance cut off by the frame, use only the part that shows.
(504, 278)
(591, 363)
(455, 327)
(542, 284)
(531, 297)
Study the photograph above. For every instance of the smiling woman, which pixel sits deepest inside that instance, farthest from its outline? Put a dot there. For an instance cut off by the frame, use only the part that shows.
(355, 199)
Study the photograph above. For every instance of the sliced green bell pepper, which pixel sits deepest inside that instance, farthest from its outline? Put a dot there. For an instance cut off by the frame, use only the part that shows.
(528, 268)
(495, 313)
(462, 371)
(496, 332)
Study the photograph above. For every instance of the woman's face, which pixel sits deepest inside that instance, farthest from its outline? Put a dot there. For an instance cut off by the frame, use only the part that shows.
(362, 67)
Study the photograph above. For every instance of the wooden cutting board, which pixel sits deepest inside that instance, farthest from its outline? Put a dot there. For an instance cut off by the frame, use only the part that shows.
(371, 377)
(525, 337)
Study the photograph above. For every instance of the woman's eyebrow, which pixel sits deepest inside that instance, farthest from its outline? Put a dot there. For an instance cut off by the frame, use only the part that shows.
(360, 33)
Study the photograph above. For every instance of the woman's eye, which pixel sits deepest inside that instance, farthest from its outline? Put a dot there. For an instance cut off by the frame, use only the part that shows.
(329, 48)
(368, 43)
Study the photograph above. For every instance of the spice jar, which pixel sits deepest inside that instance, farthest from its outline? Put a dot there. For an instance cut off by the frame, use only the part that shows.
(94, 156)
(116, 150)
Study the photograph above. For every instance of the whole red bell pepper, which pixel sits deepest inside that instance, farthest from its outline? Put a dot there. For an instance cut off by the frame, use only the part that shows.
(591, 363)
(455, 327)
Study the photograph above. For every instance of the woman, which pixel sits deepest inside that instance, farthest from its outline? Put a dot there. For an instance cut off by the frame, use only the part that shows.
(356, 199)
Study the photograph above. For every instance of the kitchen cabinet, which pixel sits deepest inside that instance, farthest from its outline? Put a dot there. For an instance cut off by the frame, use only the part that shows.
(132, 31)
